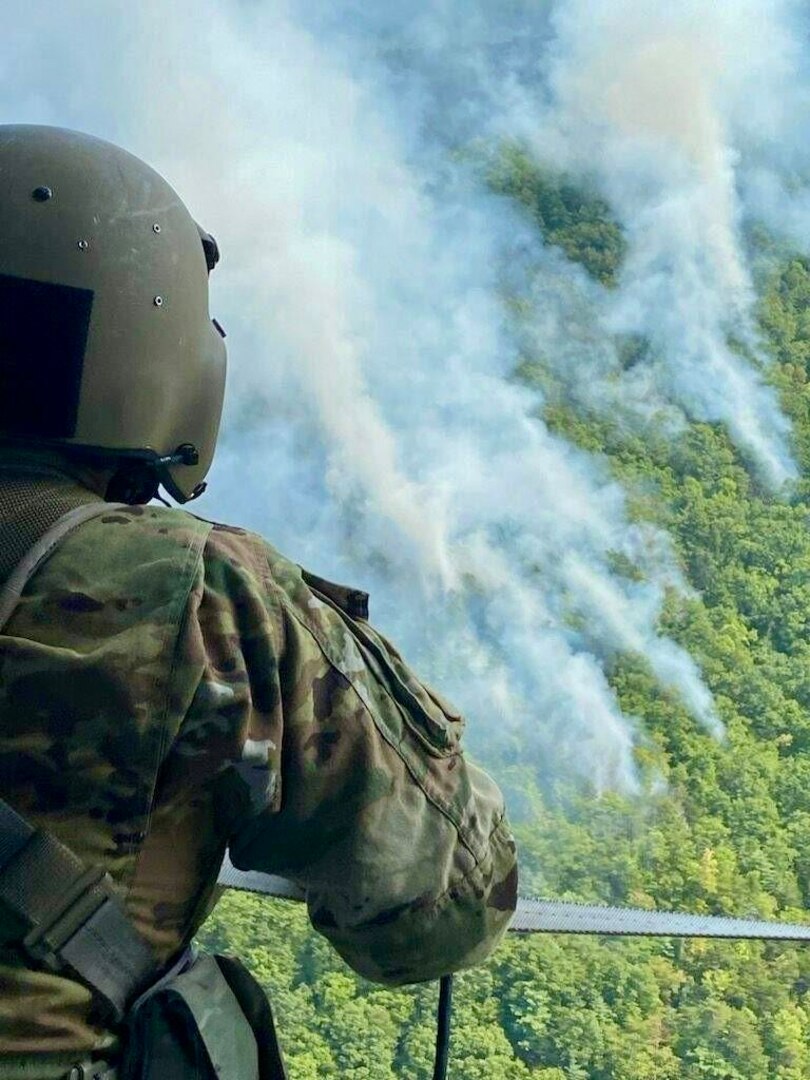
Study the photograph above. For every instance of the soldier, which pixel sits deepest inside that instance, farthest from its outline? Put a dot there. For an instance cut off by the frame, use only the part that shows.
(173, 689)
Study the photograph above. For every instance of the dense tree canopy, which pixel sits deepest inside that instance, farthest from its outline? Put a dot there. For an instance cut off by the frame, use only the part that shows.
(728, 830)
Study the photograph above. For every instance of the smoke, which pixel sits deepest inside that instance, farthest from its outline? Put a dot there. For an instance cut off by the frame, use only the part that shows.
(646, 100)
(373, 431)
(678, 113)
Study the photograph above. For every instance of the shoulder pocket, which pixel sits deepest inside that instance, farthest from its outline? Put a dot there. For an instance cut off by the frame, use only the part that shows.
(435, 723)
(434, 720)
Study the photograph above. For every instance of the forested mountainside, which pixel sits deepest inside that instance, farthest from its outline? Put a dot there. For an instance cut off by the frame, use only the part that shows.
(722, 826)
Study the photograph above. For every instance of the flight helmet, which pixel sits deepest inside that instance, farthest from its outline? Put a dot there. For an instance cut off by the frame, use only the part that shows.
(107, 349)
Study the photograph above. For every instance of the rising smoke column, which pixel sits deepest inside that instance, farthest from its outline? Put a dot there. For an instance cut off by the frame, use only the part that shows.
(675, 112)
(373, 431)
(644, 97)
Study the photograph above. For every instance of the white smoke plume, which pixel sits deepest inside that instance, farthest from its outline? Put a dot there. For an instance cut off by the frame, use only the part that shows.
(372, 431)
(644, 98)
(667, 109)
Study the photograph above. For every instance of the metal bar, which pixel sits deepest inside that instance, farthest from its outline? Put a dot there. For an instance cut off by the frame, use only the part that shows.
(565, 917)
(443, 1016)
(558, 917)
(253, 881)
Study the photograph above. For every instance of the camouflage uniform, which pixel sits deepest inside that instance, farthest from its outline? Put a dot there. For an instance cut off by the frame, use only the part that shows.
(171, 688)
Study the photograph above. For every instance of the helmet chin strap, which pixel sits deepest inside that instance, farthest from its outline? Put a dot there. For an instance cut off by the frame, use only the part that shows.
(136, 474)
(185, 454)
(138, 477)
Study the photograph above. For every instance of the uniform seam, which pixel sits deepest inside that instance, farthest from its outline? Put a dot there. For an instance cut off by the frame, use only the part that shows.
(260, 564)
(479, 862)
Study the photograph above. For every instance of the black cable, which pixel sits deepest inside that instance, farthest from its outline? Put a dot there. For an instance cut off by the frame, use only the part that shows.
(443, 1027)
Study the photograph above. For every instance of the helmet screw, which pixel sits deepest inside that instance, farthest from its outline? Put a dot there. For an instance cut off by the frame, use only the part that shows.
(158, 301)
(83, 245)
(188, 454)
(42, 194)
(156, 228)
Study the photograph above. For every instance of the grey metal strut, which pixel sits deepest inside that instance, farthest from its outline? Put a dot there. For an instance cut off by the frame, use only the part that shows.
(566, 917)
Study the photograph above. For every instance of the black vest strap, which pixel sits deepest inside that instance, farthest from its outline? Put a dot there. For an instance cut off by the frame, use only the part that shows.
(66, 917)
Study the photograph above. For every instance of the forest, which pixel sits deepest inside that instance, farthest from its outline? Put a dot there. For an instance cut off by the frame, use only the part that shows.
(721, 826)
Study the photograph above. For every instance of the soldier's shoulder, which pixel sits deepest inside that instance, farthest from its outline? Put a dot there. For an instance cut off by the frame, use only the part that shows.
(145, 532)
(238, 547)
(157, 521)
(225, 549)
(134, 562)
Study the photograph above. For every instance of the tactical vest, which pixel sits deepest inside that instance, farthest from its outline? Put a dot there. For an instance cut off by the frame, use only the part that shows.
(204, 1017)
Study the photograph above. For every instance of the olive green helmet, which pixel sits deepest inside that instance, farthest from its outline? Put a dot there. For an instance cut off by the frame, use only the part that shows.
(107, 349)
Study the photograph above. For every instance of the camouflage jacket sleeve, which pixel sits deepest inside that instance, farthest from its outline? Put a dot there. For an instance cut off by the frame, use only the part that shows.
(349, 777)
